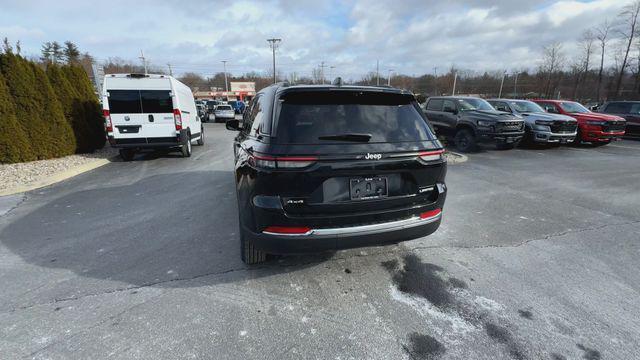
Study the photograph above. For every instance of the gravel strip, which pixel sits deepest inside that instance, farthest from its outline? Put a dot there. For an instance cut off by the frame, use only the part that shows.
(21, 174)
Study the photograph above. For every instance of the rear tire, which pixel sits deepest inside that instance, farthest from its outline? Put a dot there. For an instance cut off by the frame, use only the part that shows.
(200, 141)
(186, 147)
(465, 140)
(127, 154)
(248, 253)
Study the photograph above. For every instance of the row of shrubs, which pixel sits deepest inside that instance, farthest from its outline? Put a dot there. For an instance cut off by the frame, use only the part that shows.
(46, 110)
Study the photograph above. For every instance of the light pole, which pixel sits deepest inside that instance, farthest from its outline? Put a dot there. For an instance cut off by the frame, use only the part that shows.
(501, 84)
(435, 80)
(330, 72)
(515, 87)
(455, 79)
(389, 77)
(274, 45)
(226, 85)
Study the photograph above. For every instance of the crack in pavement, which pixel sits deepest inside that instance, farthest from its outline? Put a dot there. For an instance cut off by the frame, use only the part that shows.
(22, 200)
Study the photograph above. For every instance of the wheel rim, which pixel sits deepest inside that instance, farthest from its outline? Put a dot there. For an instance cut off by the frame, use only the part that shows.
(464, 141)
(189, 145)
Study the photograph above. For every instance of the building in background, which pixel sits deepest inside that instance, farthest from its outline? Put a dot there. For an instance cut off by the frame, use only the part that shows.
(244, 91)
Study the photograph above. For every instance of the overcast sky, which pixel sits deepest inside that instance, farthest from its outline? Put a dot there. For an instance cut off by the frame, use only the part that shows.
(411, 37)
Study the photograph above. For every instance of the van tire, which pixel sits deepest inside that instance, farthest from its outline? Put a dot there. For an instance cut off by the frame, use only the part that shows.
(465, 140)
(248, 253)
(127, 154)
(186, 146)
(200, 141)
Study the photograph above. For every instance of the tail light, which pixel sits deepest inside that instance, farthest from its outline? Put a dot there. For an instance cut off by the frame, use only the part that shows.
(430, 214)
(177, 118)
(432, 155)
(287, 230)
(283, 162)
(108, 126)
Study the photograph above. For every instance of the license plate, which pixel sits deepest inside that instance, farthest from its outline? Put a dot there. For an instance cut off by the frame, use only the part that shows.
(368, 188)
(510, 140)
(563, 141)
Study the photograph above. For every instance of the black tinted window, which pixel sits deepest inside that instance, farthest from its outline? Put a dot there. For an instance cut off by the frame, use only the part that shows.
(124, 102)
(306, 117)
(619, 108)
(156, 101)
(434, 105)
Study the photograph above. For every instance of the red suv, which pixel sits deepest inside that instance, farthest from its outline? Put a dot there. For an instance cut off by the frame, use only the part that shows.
(599, 129)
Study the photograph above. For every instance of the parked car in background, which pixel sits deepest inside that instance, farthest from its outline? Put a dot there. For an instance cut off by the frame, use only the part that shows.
(144, 111)
(321, 168)
(223, 113)
(201, 112)
(469, 121)
(210, 108)
(598, 129)
(540, 126)
(629, 110)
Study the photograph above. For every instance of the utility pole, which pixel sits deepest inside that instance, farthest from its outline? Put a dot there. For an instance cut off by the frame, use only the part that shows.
(501, 84)
(274, 45)
(226, 85)
(455, 79)
(170, 71)
(515, 87)
(389, 77)
(377, 72)
(435, 80)
(144, 61)
(330, 73)
(322, 65)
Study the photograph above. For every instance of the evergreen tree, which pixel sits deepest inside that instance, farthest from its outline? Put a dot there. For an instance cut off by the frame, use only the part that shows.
(14, 145)
(71, 52)
(56, 52)
(24, 92)
(72, 106)
(63, 141)
(46, 51)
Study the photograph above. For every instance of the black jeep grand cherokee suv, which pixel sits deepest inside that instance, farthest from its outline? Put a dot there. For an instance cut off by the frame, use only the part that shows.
(470, 120)
(331, 167)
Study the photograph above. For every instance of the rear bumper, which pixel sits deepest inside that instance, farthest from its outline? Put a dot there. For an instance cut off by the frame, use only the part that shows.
(549, 137)
(144, 143)
(318, 240)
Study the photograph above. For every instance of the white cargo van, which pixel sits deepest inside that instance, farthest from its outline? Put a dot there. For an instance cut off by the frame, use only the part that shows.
(143, 111)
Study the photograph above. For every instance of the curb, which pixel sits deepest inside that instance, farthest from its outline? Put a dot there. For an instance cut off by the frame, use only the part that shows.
(55, 178)
(455, 158)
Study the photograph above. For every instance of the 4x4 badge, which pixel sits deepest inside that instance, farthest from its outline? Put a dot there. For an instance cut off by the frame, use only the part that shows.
(371, 156)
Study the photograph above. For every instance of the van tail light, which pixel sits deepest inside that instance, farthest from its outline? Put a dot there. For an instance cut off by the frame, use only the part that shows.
(177, 118)
(287, 230)
(430, 214)
(432, 155)
(283, 162)
(108, 126)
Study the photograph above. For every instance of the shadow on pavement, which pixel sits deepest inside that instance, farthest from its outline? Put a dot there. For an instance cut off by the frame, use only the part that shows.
(163, 228)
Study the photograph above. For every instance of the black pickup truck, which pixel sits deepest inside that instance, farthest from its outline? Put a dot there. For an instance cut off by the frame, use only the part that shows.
(470, 120)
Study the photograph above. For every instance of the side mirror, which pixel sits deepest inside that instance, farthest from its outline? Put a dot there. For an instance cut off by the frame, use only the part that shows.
(233, 125)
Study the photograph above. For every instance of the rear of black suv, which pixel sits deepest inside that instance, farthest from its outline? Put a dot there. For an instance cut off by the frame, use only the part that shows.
(332, 167)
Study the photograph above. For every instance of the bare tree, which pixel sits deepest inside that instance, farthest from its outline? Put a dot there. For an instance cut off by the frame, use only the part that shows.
(552, 62)
(629, 15)
(602, 32)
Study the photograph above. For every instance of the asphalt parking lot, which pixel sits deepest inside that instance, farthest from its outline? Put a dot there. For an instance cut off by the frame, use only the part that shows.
(537, 258)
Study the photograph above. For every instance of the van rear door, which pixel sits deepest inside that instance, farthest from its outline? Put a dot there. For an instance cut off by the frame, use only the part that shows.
(141, 113)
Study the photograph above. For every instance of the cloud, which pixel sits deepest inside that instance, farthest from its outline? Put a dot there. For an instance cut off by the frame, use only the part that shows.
(411, 36)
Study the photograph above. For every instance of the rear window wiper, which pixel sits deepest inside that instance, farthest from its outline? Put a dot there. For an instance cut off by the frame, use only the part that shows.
(347, 137)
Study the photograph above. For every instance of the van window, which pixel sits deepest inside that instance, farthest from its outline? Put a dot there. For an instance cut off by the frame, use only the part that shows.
(124, 102)
(434, 105)
(308, 117)
(140, 101)
(156, 101)
(619, 108)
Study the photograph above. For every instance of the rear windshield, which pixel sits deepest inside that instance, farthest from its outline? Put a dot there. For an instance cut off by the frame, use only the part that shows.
(140, 101)
(224, 107)
(325, 117)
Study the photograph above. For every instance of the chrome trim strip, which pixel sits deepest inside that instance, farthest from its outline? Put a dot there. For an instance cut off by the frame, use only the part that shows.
(392, 225)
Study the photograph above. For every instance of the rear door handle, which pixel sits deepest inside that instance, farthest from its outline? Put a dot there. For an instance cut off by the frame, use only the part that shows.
(150, 118)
